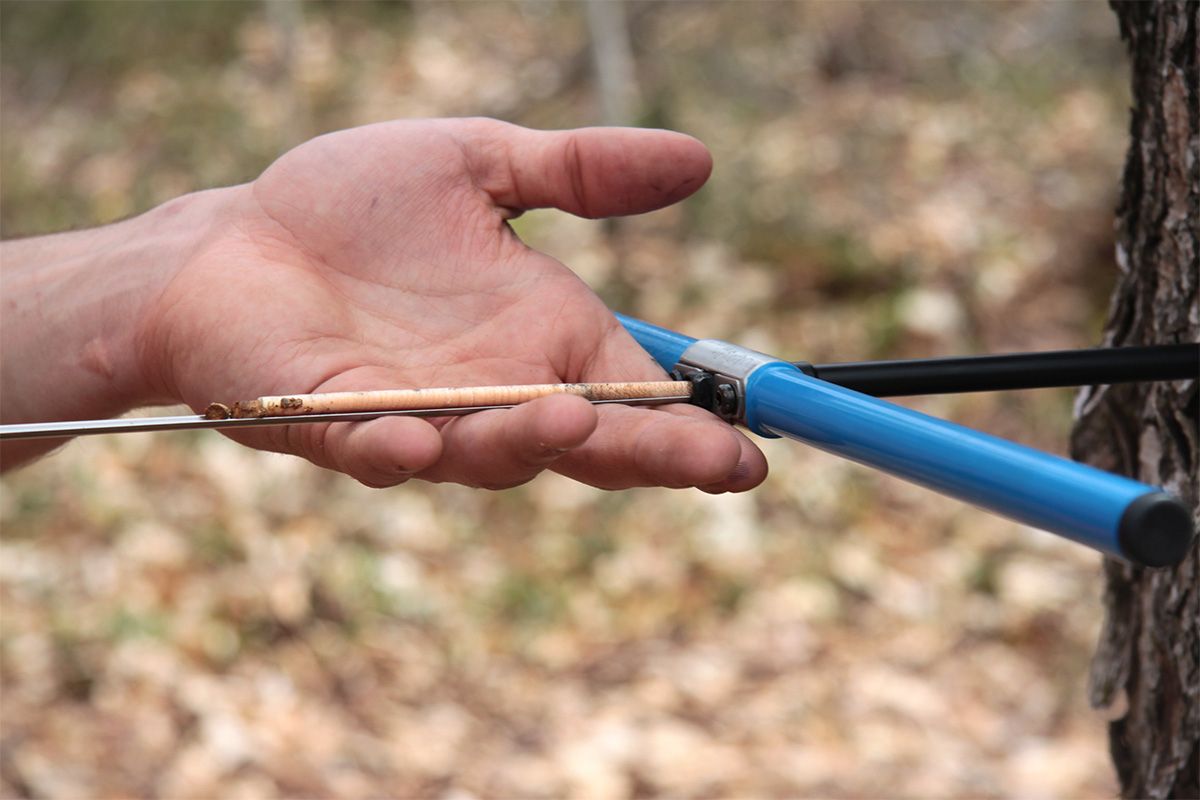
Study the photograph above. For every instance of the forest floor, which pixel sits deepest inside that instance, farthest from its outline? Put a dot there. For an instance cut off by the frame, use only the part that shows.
(182, 617)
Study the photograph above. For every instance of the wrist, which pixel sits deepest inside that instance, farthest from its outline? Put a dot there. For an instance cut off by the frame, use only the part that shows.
(74, 331)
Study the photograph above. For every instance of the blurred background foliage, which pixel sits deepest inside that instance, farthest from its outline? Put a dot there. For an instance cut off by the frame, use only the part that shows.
(185, 618)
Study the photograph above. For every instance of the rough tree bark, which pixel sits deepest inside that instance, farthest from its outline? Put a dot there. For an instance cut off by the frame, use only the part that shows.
(1147, 663)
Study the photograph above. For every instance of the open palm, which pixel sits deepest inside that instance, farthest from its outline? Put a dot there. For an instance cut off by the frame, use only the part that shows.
(380, 257)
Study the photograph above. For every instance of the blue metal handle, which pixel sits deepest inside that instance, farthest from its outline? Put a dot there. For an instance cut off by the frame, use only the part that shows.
(664, 345)
(1110, 513)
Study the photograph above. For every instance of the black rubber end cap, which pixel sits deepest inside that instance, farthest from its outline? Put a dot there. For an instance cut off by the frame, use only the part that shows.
(1156, 530)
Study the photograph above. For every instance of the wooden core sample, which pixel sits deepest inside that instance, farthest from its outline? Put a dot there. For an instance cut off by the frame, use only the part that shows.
(460, 397)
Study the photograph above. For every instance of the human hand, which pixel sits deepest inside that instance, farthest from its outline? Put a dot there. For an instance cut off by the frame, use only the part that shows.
(380, 257)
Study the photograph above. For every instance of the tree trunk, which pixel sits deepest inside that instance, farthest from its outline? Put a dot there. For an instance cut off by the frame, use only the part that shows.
(1147, 664)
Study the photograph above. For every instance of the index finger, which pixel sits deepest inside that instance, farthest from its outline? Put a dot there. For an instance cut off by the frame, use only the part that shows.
(676, 445)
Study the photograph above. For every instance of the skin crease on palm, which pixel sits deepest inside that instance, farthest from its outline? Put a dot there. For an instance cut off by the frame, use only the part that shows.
(380, 257)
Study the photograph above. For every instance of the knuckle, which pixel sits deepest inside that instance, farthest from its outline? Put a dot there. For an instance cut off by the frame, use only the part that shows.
(573, 169)
(310, 442)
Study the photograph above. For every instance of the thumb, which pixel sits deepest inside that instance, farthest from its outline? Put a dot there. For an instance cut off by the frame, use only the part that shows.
(591, 172)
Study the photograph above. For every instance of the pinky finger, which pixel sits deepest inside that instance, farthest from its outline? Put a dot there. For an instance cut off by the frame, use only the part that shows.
(385, 451)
